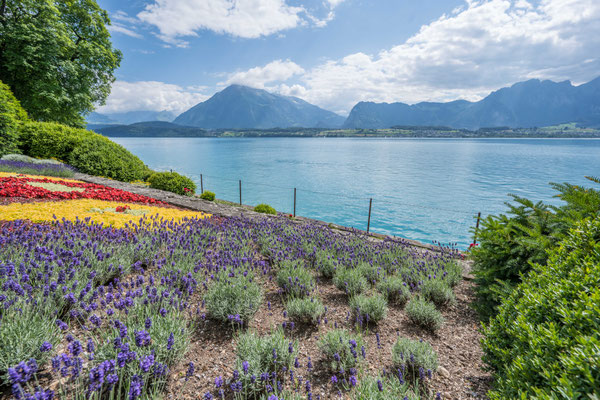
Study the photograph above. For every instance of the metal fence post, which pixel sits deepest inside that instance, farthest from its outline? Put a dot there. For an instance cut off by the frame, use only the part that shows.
(294, 202)
(201, 185)
(240, 192)
(369, 220)
(476, 229)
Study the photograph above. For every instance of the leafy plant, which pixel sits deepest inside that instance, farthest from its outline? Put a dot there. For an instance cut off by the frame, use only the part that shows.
(423, 313)
(22, 337)
(372, 273)
(383, 388)
(12, 115)
(394, 289)
(295, 279)
(265, 209)
(307, 310)
(207, 195)
(57, 57)
(544, 342)
(437, 291)
(85, 150)
(326, 263)
(370, 309)
(343, 350)
(235, 299)
(259, 355)
(351, 280)
(510, 244)
(411, 355)
(172, 182)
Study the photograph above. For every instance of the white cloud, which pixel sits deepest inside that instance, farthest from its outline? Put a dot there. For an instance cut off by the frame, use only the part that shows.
(334, 3)
(242, 18)
(118, 28)
(152, 95)
(478, 48)
(274, 71)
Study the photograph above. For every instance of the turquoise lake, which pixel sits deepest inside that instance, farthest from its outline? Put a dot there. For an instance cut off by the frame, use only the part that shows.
(422, 189)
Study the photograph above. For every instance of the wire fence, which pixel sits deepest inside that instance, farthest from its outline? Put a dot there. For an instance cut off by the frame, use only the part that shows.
(348, 206)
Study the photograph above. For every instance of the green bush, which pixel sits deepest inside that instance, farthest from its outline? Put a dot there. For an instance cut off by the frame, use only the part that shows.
(394, 289)
(423, 313)
(510, 244)
(326, 263)
(229, 297)
(372, 273)
(265, 209)
(343, 350)
(350, 280)
(172, 182)
(258, 355)
(85, 150)
(368, 388)
(210, 196)
(295, 279)
(307, 310)
(21, 337)
(368, 308)
(545, 341)
(438, 292)
(12, 116)
(414, 354)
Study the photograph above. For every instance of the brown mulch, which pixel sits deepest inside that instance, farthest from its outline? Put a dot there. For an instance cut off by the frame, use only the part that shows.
(457, 345)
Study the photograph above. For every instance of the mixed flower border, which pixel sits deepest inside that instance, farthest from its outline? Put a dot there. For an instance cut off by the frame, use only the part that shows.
(18, 186)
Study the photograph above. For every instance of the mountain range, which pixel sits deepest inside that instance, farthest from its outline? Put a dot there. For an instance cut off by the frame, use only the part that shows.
(532, 103)
(525, 104)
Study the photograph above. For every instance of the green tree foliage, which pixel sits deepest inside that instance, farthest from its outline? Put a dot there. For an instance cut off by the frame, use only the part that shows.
(87, 151)
(12, 116)
(57, 57)
(510, 244)
(544, 343)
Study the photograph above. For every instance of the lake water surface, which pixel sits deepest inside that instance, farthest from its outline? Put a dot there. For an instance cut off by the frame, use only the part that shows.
(422, 189)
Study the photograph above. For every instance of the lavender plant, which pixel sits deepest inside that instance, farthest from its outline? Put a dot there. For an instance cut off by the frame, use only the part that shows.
(384, 387)
(295, 279)
(368, 309)
(233, 297)
(343, 350)
(305, 310)
(438, 292)
(395, 290)
(261, 362)
(423, 313)
(350, 280)
(416, 357)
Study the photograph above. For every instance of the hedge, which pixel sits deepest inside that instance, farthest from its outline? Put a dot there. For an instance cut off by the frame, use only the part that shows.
(545, 341)
(12, 115)
(85, 150)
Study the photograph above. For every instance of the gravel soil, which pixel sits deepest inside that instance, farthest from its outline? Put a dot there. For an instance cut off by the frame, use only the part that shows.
(457, 345)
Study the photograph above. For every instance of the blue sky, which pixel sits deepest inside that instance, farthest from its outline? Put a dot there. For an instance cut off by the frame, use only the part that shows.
(334, 53)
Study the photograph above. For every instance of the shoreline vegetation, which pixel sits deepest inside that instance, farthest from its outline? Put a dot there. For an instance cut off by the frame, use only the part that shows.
(164, 129)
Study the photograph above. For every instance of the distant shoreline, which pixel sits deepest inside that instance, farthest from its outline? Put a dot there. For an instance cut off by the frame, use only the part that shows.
(152, 129)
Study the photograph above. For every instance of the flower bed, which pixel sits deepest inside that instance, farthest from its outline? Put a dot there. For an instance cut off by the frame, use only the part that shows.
(22, 186)
(112, 213)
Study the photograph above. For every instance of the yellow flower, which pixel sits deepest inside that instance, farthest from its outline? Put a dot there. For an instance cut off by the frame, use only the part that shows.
(52, 178)
(96, 210)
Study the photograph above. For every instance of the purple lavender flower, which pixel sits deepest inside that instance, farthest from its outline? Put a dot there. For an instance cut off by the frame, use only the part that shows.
(135, 387)
(46, 346)
(334, 379)
(218, 382)
(147, 362)
(245, 366)
(142, 338)
(190, 371)
(170, 341)
(379, 385)
(148, 323)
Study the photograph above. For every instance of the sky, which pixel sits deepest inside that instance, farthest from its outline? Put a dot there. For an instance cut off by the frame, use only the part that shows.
(335, 53)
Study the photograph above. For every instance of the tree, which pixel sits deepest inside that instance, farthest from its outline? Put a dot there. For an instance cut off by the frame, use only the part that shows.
(57, 57)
